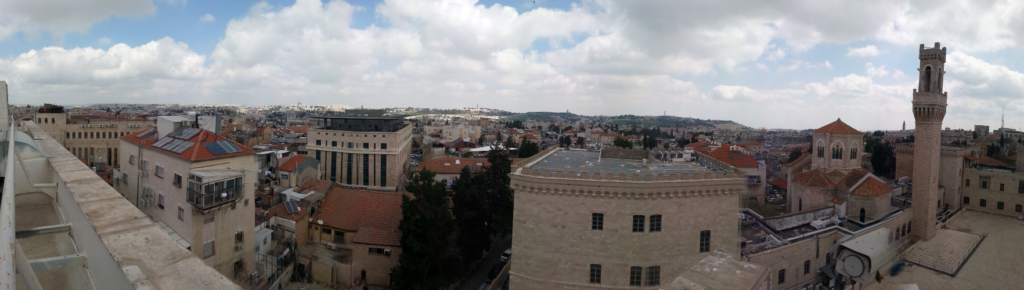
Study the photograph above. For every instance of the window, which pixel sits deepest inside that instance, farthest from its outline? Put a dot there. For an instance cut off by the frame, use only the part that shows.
(782, 276)
(984, 184)
(131, 159)
(348, 171)
(366, 169)
(655, 223)
(325, 231)
(208, 249)
(124, 178)
(349, 144)
(982, 204)
(653, 276)
(999, 205)
(635, 274)
(160, 201)
(705, 241)
(597, 221)
(638, 224)
(909, 227)
(967, 200)
(284, 175)
(317, 142)
(366, 145)
(159, 171)
(853, 153)
(379, 251)
(383, 146)
(239, 237)
(177, 180)
(334, 165)
(181, 214)
(1001, 187)
(339, 237)
(967, 183)
(807, 267)
(821, 152)
(595, 274)
(383, 170)
(1017, 208)
(334, 143)
(1020, 186)
(208, 217)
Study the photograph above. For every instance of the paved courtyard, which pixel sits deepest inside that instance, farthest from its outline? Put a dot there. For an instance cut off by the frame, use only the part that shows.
(998, 263)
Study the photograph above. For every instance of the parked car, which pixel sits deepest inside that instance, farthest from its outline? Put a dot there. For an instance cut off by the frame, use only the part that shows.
(495, 270)
(505, 256)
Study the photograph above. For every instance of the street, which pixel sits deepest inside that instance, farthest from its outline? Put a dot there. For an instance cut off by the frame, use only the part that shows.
(479, 274)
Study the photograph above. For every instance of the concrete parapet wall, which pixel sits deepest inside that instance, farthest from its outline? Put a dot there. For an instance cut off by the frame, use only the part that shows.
(784, 222)
(620, 153)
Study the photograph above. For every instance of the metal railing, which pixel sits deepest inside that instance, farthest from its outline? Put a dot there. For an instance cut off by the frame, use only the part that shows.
(208, 200)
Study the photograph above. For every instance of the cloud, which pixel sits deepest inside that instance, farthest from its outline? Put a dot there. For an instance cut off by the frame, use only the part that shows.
(60, 17)
(762, 67)
(898, 74)
(206, 18)
(795, 64)
(777, 55)
(104, 40)
(867, 51)
(877, 72)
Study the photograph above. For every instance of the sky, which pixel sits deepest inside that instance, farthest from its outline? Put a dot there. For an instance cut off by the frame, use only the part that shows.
(777, 64)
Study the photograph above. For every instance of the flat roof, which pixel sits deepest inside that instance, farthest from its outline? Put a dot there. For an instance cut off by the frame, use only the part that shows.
(360, 117)
(579, 160)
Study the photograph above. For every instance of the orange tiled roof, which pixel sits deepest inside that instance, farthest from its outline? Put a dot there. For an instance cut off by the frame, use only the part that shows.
(297, 130)
(781, 183)
(813, 178)
(991, 161)
(377, 212)
(838, 127)
(851, 178)
(871, 186)
(570, 131)
(971, 157)
(195, 153)
(448, 165)
(801, 158)
(734, 158)
(837, 200)
(292, 163)
(281, 211)
(835, 175)
(1012, 157)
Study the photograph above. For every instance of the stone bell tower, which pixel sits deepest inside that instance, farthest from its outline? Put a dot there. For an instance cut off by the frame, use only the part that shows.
(929, 109)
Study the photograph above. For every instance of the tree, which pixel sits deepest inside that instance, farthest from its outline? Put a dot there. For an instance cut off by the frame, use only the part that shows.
(882, 160)
(975, 134)
(470, 210)
(497, 183)
(793, 156)
(528, 148)
(426, 261)
(664, 145)
(622, 143)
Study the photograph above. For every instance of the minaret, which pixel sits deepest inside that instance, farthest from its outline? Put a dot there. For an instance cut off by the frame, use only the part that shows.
(929, 110)
(904, 125)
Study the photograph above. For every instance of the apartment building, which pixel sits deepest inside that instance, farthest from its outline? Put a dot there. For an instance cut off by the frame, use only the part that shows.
(93, 139)
(362, 150)
(197, 183)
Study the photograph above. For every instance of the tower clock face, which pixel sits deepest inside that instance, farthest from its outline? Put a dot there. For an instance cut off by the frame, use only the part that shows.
(854, 266)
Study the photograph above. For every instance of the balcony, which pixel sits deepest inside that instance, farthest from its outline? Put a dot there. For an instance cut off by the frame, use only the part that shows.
(753, 180)
(210, 189)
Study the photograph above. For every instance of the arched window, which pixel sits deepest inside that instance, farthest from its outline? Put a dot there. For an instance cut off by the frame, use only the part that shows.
(903, 231)
(39, 120)
(927, 79)
(800, 204)
(53, 121)
(862, 214)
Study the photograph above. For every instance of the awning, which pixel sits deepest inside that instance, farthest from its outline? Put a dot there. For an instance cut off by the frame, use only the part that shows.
(217, 175)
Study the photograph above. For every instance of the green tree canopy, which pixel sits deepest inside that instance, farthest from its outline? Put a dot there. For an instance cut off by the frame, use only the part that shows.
(426, 261)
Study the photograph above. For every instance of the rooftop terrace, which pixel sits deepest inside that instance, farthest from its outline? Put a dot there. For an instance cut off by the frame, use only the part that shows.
(590, 161)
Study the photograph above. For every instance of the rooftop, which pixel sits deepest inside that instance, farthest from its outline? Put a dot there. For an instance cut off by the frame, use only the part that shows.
(202, 142)
(377, 212)
(591, 162)
(838, 127)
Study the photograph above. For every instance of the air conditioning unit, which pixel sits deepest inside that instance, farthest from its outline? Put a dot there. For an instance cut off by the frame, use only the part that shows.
(239, 247)
(83, 125)
(387, 252)
(330, 246)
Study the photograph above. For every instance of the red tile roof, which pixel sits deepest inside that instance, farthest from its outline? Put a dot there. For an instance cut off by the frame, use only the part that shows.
(837, 200)
(734, 158)
(356, 210)
(838, 127)
(292, 163)
(991, 161)
(197, 152)
(813, 178)
(297, 130)
(570, 131)
(871, 186)
(835, 175)
(449, 166)
(1011, 157)
(851, 178)
(281, 211)
(780, 183)
(971, 157)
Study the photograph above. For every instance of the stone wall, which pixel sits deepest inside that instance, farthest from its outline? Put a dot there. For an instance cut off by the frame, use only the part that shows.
(789, 260)
(810, 198)
(973, 194)
(904, 160)
(554, 242)
(620, 153)
(378, 267)
(399, 146)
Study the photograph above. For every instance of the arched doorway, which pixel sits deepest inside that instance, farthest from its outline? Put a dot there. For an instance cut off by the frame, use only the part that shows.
(862, 215)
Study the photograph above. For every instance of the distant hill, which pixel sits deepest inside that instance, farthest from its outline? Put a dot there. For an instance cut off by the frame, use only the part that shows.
(622, 120)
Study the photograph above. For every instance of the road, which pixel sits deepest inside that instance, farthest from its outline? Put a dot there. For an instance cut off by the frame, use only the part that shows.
(479, 274)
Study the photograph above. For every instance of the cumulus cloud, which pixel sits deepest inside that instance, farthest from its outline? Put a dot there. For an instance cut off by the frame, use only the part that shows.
(206, 18)
(104, 40)
(59, 17)
(876, 72)
(776, 55)
(867, 51)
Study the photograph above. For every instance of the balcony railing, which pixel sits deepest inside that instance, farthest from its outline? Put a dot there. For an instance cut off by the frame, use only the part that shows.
(753, 181)
(207, 200)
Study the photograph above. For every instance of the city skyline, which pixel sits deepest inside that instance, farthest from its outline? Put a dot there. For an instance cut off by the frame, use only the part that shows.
(752, 64)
